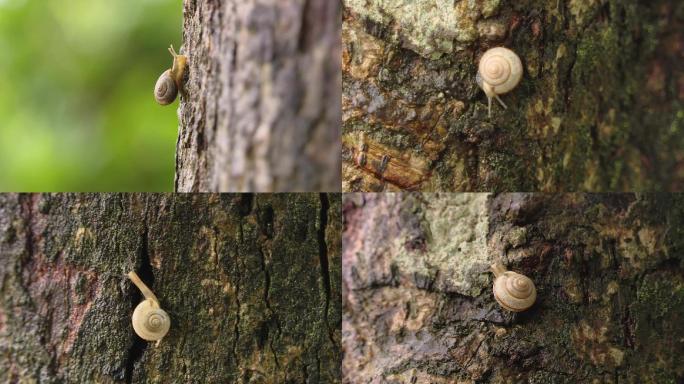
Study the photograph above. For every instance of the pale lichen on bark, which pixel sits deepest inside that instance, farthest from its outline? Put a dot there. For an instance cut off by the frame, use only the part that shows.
(608, 271)
(599, 107)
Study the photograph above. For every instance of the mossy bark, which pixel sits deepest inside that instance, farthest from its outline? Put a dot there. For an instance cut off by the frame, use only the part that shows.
(261, 110)
(600, 106)
(418, 305)
(251, 282)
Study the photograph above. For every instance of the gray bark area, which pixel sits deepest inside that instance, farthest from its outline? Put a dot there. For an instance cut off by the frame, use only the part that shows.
(262, 109)
(251, 283)
(418, 304)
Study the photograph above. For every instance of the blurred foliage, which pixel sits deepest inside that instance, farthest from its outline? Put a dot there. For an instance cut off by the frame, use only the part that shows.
(77, 111)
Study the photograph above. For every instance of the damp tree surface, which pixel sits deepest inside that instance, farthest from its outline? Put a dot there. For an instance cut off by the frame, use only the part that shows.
(251, 283)
(417, 294)
(261, 111)
(600, 106)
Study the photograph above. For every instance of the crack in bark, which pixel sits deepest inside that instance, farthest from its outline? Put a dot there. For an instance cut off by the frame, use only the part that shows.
(267, 287)
(305, 372)
(273, 317)
(318, 365)
(27, 201)
(323, 256)
(236, 329)
(470, 360)
(137, 349)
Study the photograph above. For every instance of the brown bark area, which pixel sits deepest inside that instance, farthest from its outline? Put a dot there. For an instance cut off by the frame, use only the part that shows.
(262, 106)
(600, 106)
(251, 284)
(418, 305)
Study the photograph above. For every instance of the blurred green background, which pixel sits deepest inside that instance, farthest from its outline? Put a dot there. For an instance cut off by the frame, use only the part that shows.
(77, 112)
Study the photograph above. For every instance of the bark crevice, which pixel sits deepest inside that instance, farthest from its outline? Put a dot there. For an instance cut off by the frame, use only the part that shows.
(325, 263)
(27, 206)
(238, 275)
(138, 347)
(236, 329)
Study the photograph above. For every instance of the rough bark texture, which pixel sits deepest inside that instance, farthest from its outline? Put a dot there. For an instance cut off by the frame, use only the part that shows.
(252, 285)
(262, 111)
(418, 305)
(600, 106)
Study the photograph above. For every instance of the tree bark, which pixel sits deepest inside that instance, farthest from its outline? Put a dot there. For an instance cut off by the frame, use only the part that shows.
(418, 302)
(262, 106)
(251, 284)
(600, 106)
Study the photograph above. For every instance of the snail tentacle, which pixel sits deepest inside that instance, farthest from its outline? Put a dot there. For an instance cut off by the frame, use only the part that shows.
(500, 101)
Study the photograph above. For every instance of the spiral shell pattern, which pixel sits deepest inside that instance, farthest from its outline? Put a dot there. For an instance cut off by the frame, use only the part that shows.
(165, 90)
(514, 291)
(501, 69)
(150, 323)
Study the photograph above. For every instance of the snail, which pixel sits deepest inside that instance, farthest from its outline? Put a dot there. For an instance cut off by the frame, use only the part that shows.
(150, 322)
(171, 81)
(499, 71)
(513, 291)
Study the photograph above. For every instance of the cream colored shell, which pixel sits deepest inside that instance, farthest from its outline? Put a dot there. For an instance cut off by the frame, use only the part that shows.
(501, 69)
(513, 291)
(150, 322)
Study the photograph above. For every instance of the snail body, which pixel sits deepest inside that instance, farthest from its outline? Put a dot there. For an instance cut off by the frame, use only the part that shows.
(513, 291)
(499, 71)
(171, 81)
(150, 322)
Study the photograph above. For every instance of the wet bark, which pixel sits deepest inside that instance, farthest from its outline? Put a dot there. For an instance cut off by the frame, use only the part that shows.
(262, 106)
(600, 106)
(418, 305)
(251, 283)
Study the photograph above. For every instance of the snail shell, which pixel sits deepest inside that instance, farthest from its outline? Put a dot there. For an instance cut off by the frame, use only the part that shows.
(150, 322)
(165, 90)
(171, 81)
(513, 291)
(499, 71)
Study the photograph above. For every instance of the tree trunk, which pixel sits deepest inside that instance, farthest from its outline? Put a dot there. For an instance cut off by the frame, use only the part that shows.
(250, 282)
(417, 293)
(262, 106)
(600, 106)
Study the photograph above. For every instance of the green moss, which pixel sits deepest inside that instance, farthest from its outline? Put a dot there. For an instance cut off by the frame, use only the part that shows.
(662, 297)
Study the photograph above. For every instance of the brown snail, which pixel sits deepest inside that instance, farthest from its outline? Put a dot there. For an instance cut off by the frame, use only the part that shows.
(171, 81)
(150, 322)
(499, 71)
(513, 291)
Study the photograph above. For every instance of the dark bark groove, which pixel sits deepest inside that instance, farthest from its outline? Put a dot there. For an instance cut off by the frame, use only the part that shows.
(241, 276)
